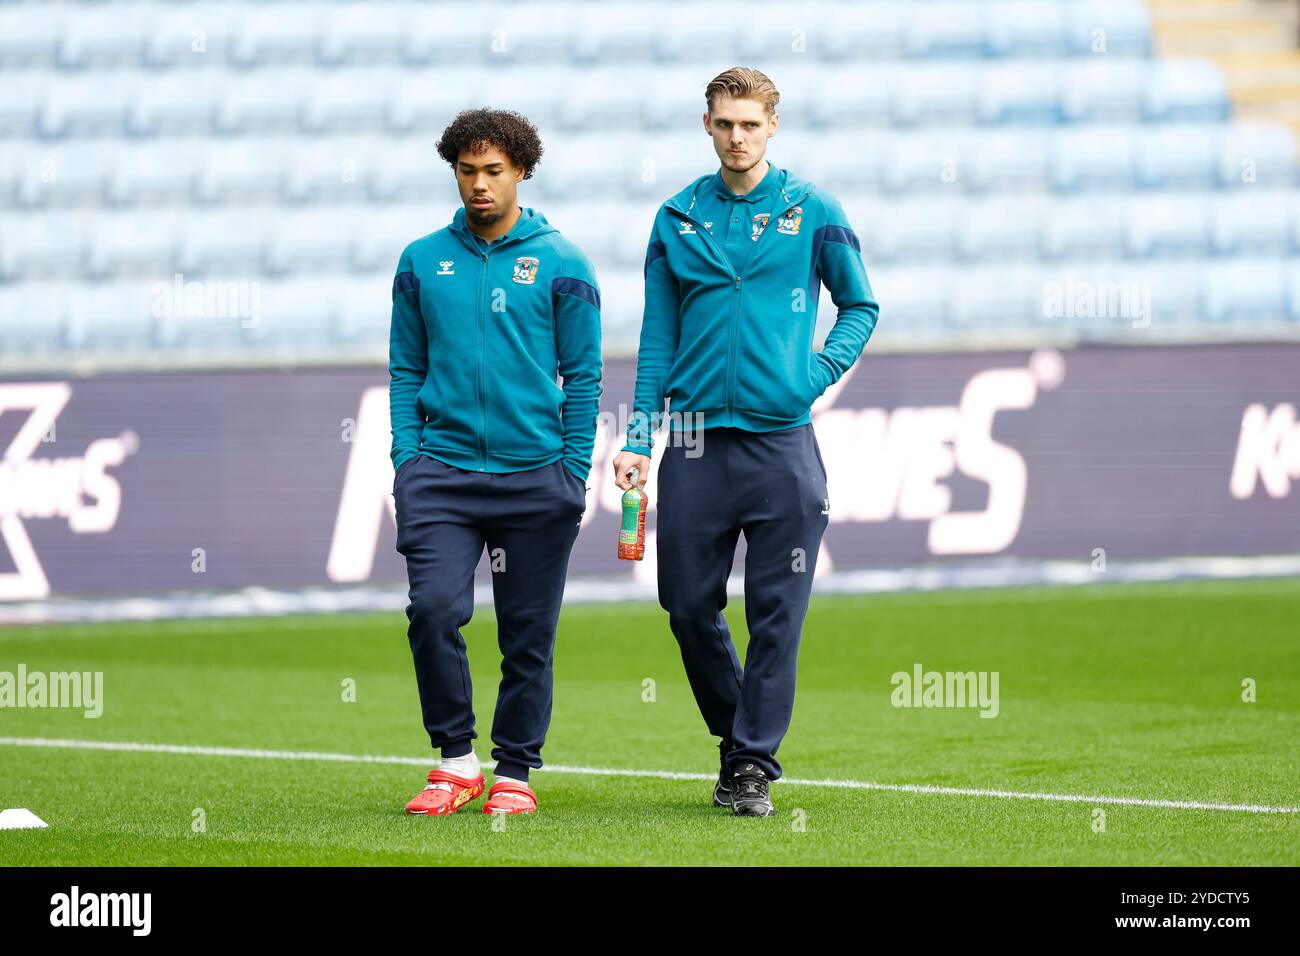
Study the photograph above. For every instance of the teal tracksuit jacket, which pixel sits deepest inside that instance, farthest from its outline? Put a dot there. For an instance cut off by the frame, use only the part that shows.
(734, 347)
(479, 332)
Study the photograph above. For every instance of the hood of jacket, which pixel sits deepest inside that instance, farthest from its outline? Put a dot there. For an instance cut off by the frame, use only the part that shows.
(531, 223)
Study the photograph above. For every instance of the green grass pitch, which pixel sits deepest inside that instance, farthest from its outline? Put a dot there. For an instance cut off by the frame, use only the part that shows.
(1119, 691)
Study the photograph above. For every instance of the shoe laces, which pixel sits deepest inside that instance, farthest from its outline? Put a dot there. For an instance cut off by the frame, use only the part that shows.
(750, 785)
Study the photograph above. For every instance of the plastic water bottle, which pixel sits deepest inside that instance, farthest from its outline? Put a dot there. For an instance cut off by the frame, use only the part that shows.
(631, 534)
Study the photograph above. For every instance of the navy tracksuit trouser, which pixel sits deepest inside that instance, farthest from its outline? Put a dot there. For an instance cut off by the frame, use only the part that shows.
(772, 487)
(528, 520)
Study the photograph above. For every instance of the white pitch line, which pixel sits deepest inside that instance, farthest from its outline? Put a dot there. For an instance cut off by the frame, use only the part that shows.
(311, 755)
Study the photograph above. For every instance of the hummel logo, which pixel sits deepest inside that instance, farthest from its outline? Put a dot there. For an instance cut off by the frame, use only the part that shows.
(445, 268)
(708, 225)
(687, 229)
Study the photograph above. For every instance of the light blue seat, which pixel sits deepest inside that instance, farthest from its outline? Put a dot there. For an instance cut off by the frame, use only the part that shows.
(298, 312)
(155, 172)
(920, 161)
(1187, 91)
(135, 242)
(224, 241)
(20, 109)
(934, 94)
(944, 30)
(367, 33)
(1019, 92)
(65, 174)
(265, 101)
(73, 107)
(860, 33)
(177, 103)
(29, 34)
(364, 313)
(382, 232)
(428, 99)
(624, 32)
(574, 169)
(1104, 90)
(591, 103)
(350, 168)
(1003, 159)
(189, 34)
(1002, 228)
(867, 101)
(1082, 229)
(1247, 223)
(114, 34)
(1024, 28)
(392, 170)
(33, 316)
(1167, 226)
(114, 316)
(622, 306)
(1123, 26)
(316, 239)
(1245, 291)
(46, 243)
(1254, 154)
(1094, 157)
(517, 35)
(993, 301)
(449, 34)
(922, 229)
(278, 33)
(351, 101)
(916, 301)
(1179, 156)
(693, 35)
(243, 170)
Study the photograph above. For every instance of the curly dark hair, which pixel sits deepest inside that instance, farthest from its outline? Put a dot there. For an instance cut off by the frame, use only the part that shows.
(476, 130)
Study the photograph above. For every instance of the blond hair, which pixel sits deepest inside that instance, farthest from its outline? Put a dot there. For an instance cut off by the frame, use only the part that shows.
(743, 83)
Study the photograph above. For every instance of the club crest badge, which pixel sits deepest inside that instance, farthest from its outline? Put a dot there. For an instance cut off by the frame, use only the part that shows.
(525, 270)
(789, 223)
(758, 225)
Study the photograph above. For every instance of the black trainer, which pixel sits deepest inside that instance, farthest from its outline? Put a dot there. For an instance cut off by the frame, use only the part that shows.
(722, 789)
(749, 796)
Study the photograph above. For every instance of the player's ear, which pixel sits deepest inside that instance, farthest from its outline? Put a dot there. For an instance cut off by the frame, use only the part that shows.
(708, 127)
(776, 123)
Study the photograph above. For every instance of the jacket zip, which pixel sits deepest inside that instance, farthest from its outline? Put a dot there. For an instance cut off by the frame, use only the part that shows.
(732, 325)
(482, 343)
(482, 350)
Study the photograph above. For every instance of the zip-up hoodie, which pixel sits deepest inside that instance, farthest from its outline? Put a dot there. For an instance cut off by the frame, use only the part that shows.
(479, 332)
(737, 349)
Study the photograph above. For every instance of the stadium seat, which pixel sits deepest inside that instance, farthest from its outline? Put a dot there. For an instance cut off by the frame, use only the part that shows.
(1245, 291)
(110, 35)
(945, 30)
(1253, 224)
(1025, 28)
(1169, 225)
(30, 34)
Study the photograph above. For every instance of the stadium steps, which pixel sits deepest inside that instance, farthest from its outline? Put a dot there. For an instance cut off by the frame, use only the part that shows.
(1254, 43)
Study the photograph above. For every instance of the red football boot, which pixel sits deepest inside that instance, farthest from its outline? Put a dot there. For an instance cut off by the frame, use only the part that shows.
(446, 793)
